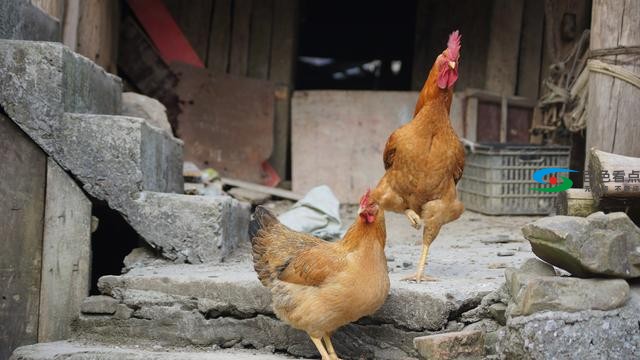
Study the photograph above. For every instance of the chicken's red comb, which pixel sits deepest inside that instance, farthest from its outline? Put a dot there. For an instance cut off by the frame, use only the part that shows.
(453, 45)
(365, 199)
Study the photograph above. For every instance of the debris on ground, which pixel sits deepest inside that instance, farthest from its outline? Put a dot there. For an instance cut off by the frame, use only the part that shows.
(318, 213)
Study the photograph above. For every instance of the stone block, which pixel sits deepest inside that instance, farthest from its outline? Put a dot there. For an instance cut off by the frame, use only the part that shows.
(454, 345)
(597, 245)
(99, 304)
(189, 228)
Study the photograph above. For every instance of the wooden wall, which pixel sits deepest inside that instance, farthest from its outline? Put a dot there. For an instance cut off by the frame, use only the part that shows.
(252, 38)
(22, 199)
(501, 43)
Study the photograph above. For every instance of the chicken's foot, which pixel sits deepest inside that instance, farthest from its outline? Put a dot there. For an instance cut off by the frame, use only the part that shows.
(330, 349)
(419, 275)
(414, 218)
(323, 352)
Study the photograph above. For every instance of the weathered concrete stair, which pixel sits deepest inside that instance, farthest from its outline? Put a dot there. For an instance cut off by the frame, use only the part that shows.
(93, 351)
(225, 305)
(53, 94)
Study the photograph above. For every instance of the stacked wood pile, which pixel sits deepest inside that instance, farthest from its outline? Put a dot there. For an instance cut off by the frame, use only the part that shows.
(612, 183)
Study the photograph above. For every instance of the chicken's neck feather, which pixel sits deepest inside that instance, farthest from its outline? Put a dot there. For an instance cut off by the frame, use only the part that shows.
(361, 234)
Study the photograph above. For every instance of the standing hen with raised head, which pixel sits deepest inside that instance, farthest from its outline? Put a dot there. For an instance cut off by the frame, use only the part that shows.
(319, 286)
(424, 158)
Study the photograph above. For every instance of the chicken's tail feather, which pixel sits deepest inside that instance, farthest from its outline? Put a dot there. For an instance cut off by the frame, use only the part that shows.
(262, 221)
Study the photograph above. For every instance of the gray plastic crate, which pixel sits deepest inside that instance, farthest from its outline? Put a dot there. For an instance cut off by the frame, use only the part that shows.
(497, 178)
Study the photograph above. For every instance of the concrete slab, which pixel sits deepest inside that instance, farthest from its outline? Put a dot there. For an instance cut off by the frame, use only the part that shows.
(337, 138)
(22, 20)
(93, 351)
(180, 304)
(116, 157)
(42, 80)
(190, 228)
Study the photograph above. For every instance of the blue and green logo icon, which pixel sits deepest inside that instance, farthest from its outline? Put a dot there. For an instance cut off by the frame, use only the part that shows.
(539, 175)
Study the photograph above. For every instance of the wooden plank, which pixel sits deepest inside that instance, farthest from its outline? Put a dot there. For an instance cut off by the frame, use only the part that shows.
(240, 37)
(97, 35)
(194, 19)
(285, 194)
(504, 110)
(435, 20)
(613, 105)
(164, 32)
(613, 176)
(471, 119)
(260, 43)
(323, 128)
(283, 53)
(226, 121)
(70, 23)
(66, 254)
(564, 22)
(54, 8)
(488, 122)
(504, 43)
(421, 60)
(143, 68)
(220, 37)
(22, 192)
(531, 49)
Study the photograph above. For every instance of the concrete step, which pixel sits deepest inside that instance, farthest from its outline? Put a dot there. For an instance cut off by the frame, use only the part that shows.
(22, 20)
(137, 170)
(115, 157)
(95, 351)
(224, 304)
(41, 81)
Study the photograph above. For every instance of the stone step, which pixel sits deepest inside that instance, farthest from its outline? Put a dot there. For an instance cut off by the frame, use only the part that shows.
(43, 80)
(95, 351)
(137, 170)
(115, 157)
(224, 304)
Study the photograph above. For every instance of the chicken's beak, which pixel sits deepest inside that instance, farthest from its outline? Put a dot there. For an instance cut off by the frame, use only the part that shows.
(452, 65)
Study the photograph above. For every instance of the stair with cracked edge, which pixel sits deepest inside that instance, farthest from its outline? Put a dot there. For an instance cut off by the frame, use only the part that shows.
(54, 94)
(225, 305)
(92, 351)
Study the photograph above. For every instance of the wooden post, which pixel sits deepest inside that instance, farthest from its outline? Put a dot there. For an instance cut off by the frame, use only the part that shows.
(66, 254)
(220, 37)
(22, 191)
(260, 45)
(240, 37)
(504, 44)
(283, 53)
(98, 32)
(613, 105)
(531, 49)
(194, 19)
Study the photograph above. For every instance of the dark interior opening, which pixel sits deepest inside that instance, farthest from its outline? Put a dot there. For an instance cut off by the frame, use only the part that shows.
(110, 243)
(359, 45)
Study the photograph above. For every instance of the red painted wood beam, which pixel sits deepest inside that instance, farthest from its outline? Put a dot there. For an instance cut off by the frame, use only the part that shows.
(164, 32)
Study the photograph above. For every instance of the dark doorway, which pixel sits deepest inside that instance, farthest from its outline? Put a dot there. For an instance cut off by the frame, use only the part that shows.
(359, 45)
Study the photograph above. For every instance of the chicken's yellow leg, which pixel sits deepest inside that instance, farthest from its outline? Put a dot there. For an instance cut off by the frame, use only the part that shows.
(330, 349)
(413, 217)
(318, 343)
(419, 275)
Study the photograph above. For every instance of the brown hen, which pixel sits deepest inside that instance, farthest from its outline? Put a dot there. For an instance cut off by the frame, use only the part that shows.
(424, 158)
(319, 286)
